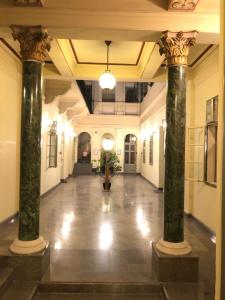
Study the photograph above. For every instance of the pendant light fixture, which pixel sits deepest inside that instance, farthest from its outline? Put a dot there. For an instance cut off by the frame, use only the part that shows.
(107, 80)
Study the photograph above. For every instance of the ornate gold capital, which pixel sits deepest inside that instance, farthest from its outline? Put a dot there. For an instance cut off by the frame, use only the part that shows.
(176, 45)
(29, 2)
(34, 41)
(183, 5)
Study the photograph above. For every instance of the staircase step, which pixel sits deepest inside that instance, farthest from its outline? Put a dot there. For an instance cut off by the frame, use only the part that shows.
(99, 291)
(20, 290)
(6, 277)
(84, 296)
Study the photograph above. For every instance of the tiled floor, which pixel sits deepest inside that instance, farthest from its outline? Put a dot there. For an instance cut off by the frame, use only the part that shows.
(106, 237)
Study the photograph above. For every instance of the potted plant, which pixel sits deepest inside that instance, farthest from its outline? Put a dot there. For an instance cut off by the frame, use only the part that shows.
(108, 164)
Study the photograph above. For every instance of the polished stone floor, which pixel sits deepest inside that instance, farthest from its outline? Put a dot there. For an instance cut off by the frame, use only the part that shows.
(106, 237)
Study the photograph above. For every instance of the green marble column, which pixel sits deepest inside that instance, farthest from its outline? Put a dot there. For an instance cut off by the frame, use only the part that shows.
(175, 46)
(34, 41)
(174, 155)
(30, 151)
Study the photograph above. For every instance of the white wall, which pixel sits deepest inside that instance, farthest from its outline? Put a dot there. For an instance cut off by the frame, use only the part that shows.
(118, 126)
(10, 108)
(50, 177)
(153, 112)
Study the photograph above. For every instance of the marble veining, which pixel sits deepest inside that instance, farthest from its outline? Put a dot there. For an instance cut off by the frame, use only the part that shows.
(175, 155)
(30, 152)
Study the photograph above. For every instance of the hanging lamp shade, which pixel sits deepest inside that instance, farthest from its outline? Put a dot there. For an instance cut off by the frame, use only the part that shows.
(107, 80)
(107, 144)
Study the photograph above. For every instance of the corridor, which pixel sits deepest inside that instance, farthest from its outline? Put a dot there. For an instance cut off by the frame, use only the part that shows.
(106, 237)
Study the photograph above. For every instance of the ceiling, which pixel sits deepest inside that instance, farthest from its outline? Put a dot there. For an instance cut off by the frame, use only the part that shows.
(95, 52)
(79, 29)
(86, 59)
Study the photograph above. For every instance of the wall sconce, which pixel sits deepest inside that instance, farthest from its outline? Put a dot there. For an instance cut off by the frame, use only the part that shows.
(164, 124)
(152, 131)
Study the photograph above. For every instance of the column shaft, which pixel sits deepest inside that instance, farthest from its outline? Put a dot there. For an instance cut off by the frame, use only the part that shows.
(175, 155)
(30, 151)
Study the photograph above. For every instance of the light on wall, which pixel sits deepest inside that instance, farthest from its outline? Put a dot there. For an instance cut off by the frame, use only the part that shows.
(164, 124)
(107, 80)
(107, 144)
(152, 131)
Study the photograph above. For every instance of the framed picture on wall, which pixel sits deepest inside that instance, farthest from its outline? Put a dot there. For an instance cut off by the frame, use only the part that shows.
(212, 110)
(151, 149)
(211, 141)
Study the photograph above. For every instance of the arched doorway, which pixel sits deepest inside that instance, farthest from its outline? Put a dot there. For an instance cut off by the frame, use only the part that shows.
(84, 148)
(130, 153)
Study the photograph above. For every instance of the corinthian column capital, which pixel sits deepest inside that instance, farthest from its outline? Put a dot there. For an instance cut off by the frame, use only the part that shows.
(34, 41)
(176, 45)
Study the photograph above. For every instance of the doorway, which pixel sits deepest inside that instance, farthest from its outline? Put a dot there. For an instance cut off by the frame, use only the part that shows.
(130, 153)
(84, 148)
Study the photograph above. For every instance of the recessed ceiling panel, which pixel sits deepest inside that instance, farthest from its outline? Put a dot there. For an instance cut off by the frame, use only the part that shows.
(95, 52)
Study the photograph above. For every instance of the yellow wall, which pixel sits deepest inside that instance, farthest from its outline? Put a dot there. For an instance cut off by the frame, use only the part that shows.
(10, 107)
(220, 238)
(10, 111)
(203, 84)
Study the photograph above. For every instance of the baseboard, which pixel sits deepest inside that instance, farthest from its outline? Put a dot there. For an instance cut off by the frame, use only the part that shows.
(200, 224)
(50, 190)
(158, 188)
(16, 215)
(8, 220)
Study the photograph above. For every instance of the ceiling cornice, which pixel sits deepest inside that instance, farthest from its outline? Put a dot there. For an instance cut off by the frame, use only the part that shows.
(182, 5)
(29, 3)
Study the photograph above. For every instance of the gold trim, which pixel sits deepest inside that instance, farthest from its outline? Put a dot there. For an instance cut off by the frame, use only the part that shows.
(38, 3)
(182, 5)
(34, 41)
(175, 46)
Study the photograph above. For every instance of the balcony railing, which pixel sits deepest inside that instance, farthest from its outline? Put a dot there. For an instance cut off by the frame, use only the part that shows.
(116, 108)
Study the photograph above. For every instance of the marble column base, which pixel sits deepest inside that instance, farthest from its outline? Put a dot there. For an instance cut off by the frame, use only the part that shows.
(28, 247)
(176, 249)
(171, 268)
(30, 267)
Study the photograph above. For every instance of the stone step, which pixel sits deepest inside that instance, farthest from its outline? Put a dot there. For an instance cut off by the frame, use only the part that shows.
(85, 296)
(99, 291)
(6, 277)
(20, 290)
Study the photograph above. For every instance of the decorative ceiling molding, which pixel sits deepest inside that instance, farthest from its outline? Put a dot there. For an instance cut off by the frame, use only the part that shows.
(29, 2)
(182, 5)
(104, 63)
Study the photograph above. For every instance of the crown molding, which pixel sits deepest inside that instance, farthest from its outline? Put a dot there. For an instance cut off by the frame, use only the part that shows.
(182, 5)
(28, 3)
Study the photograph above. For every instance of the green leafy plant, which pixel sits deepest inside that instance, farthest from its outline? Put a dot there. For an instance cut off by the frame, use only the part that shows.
(110, 158)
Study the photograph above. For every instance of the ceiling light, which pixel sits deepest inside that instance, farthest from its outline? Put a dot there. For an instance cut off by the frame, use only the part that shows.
(107, 80)
(107, 144)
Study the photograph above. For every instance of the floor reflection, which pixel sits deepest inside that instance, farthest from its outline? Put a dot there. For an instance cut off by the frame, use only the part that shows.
(105, 236)
(142, 224)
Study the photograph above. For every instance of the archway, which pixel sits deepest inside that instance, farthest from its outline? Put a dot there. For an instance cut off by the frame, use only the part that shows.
(130, 153)
(84, 148)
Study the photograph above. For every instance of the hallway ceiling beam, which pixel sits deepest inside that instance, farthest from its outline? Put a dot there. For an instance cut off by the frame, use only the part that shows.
(139, 26)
